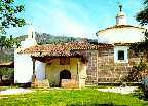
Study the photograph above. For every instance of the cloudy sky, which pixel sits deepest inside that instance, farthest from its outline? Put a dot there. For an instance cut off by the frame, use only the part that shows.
(75, 17)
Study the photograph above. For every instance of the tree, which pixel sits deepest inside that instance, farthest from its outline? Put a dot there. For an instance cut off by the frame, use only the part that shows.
(8, 42)
(8, 19)
(8, 14)
(2, 41)
(142, 17)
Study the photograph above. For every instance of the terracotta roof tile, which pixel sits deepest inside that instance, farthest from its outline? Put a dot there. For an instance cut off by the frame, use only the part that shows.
(65, 49)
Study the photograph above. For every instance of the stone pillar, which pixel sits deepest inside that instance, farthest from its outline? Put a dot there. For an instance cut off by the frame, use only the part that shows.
(92, 67)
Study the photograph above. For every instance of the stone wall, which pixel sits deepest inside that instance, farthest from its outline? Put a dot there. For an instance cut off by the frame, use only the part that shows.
(92, 67)
(101, 66)
(108, 71)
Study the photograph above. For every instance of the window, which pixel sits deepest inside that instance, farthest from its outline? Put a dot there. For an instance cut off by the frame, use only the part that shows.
(120, 55)
(64, 61)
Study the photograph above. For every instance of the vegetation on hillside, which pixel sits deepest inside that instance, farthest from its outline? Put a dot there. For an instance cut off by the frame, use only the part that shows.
(43, 38)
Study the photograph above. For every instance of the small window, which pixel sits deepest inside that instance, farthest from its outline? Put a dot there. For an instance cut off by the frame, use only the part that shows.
(64, 61)
(120, 55)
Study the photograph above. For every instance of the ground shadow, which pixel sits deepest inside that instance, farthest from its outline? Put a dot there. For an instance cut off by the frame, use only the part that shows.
(95, 104)
(140, 96)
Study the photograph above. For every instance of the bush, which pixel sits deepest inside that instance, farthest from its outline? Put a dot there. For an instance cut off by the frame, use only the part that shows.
(6, 75)
(136, 74)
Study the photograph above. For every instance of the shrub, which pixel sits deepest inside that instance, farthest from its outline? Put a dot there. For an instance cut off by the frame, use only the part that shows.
(136, 74)
(6, 75)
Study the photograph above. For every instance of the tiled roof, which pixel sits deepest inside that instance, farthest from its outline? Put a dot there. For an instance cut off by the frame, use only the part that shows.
(8, 65)
(123, 44)
(121, 26)
(65, 49)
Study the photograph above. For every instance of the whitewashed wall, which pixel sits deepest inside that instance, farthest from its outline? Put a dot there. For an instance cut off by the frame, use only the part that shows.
(121, 35)
(40, 70)
(23, 65)
(23, 68)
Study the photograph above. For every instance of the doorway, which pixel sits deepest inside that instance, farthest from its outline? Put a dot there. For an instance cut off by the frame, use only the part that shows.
(65, 74)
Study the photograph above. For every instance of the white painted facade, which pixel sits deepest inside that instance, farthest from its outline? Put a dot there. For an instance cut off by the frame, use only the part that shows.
(23, 65)
(23, 68)
(121, 35)
(40, 70)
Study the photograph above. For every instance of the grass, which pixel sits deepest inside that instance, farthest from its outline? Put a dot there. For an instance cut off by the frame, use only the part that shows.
(99, 87)
(2, 88)
(71, 98)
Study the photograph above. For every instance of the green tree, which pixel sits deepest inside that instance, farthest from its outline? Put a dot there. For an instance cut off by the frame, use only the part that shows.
(8, 14)
(9, 18)
(8, 42)
(142, 17)
(2, 41)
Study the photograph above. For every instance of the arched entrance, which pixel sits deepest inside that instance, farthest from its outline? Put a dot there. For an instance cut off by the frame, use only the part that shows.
(65, 74)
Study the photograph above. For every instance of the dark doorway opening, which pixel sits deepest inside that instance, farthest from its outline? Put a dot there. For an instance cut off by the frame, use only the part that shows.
(65, 74)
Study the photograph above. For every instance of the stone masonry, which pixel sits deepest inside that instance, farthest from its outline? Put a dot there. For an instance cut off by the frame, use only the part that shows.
(101, 66)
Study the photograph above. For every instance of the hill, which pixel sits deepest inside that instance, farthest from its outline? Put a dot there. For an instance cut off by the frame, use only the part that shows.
(43, 38)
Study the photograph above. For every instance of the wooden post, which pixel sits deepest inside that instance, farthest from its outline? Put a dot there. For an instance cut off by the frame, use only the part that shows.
(33, 76)
(33, 60)
(78, 72)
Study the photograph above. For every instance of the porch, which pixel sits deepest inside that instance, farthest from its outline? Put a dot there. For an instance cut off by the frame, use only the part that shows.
(59, 71)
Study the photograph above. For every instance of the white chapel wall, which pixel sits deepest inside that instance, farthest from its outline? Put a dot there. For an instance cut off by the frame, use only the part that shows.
(40, 70)
(23, 68)
(23, 65)
(121, 35)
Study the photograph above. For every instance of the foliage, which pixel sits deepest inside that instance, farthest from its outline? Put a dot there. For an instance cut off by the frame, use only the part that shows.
(8, 14)
(136, 74)
(71, 98)
(43, 38)
(9, 18)
(4, 58)
(8, 42)
(142, 16)
(140, 67)
(6, 72)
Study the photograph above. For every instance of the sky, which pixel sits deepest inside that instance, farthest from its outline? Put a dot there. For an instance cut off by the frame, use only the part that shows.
(77, 18)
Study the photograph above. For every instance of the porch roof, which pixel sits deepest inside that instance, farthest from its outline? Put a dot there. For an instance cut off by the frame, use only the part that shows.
(7, 65)
(65, 49)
